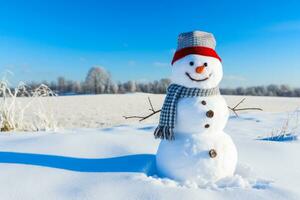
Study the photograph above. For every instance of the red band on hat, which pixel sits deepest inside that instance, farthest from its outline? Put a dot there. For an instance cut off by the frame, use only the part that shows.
(204, 51)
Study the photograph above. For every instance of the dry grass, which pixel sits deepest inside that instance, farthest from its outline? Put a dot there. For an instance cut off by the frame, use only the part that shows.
(288, 130)
(13, 112)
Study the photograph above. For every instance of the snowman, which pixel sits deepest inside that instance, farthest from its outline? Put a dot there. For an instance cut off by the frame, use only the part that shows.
(194, 147)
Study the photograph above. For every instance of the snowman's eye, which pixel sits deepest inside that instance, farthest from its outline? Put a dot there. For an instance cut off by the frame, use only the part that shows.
(192, 63)
(205, 64)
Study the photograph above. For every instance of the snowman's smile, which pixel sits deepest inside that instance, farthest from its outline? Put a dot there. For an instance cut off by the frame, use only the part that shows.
(197, 80)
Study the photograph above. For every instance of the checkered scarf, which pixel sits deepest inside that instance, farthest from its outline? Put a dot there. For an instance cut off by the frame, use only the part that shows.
(168, 112)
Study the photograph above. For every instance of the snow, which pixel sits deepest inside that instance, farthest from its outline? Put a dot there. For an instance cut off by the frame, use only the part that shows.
(118, 162)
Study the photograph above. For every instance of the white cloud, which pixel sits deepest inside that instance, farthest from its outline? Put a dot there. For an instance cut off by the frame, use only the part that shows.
(161, 64)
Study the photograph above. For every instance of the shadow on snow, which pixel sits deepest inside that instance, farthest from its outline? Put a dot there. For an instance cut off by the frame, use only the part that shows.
(143, 163)
(288, 137)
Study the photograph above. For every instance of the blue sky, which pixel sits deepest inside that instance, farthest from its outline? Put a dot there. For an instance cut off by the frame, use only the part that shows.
(258, 41)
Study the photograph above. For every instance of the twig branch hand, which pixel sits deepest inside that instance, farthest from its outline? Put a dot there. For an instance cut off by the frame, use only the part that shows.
(234, 109)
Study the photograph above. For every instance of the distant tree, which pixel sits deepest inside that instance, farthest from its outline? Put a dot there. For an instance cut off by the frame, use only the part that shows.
(163, 85)
(97, 80)
(240, 91)
(114, 89)
(227, 91)
(85, 88)
(121, 88)
(69, 86)
(143, 87)
(261, 91)
(53, 86)
(61, 84)
(155, 88)
(285, 90)
(273, 90)
(297, 92)
(110, 87)
(130, 86)
(77, 87)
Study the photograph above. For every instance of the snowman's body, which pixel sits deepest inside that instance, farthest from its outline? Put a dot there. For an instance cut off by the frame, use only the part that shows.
(186, 158)
(192, 117)
(199, 122)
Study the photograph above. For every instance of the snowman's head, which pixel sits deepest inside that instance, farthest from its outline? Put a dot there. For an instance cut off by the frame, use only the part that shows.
(197, 71)
(196, 63)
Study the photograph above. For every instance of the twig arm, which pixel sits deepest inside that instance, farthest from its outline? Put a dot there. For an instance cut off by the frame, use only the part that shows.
(146, 117)
(239, 103)
(234, 109)
(152, 109)
(240, 109)
(142, 118)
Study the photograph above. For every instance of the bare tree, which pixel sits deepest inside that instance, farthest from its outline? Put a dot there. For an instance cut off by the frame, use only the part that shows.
(97, 80)
(61, 84)
(163, 85)
(130, 86)
(77, 87)
(114, 88)
(121, 88)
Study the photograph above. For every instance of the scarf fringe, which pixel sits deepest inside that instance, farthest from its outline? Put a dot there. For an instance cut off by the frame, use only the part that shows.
(164, 132)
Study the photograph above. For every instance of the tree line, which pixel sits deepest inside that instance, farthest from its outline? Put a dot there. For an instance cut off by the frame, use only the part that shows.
(99, 81)
(270, 90)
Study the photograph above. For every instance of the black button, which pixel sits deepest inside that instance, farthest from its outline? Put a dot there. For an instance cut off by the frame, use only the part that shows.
(212, 153)
(206, 126)
(203, 102)
(210, 114)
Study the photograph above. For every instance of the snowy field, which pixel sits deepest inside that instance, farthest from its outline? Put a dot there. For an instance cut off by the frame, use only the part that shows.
(97, 154)
(96, 111)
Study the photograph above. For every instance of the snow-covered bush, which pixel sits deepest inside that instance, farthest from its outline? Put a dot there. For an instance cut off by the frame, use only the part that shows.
(288, 131)
(22, 109)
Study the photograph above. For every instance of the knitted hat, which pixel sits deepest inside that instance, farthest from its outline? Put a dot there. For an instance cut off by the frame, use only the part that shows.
(195, 42)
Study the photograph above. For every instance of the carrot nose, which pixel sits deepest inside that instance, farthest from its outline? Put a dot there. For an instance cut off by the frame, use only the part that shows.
(200, 69)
